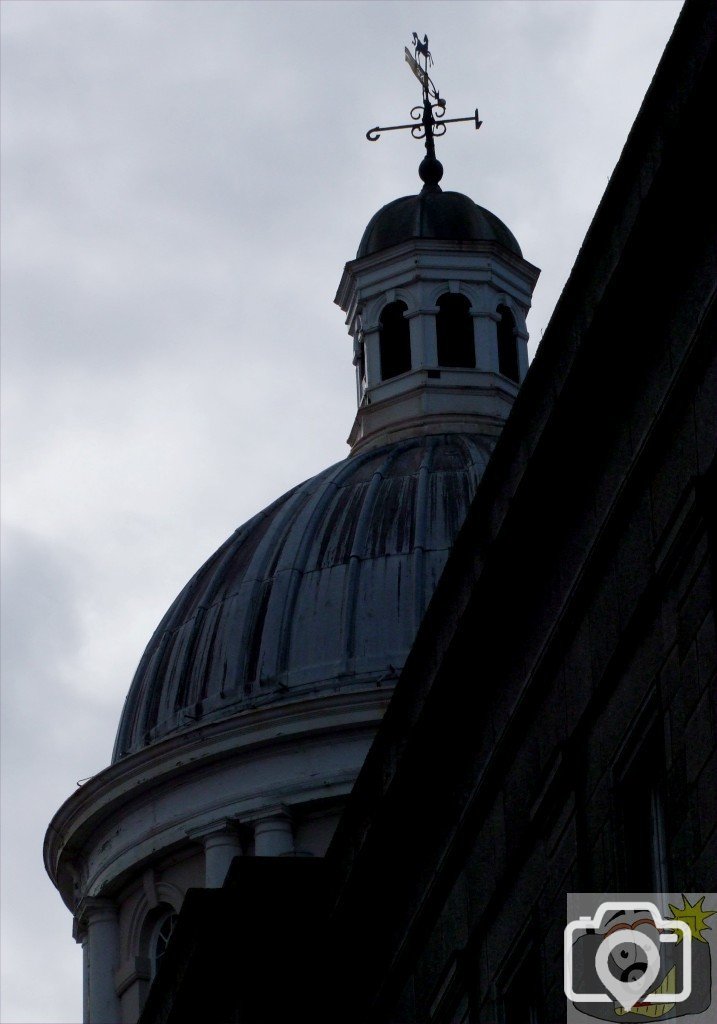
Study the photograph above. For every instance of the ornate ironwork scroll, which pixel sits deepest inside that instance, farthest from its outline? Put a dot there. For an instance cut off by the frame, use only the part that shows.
(428, 118)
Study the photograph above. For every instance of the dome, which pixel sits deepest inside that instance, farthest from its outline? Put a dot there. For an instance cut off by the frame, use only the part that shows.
(449, 216)
(322, 591)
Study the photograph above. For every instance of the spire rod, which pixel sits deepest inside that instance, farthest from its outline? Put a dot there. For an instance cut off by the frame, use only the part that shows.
(430, 115)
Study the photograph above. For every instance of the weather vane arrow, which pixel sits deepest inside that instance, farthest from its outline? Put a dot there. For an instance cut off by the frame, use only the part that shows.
(428, 117)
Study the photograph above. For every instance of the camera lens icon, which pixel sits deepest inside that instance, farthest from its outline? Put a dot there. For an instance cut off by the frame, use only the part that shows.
(634, 979)
(621, 964)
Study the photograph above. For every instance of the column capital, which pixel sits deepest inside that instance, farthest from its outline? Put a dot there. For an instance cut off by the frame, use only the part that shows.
(92, 909)
(277, 812)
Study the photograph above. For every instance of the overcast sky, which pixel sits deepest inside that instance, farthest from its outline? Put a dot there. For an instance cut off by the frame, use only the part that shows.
(182, 184)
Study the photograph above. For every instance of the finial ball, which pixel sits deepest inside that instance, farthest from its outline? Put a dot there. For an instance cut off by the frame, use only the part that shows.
(430, 171)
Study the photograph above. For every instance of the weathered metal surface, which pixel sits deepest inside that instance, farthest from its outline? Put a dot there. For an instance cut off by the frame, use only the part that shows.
(322, 590)
(442, 215)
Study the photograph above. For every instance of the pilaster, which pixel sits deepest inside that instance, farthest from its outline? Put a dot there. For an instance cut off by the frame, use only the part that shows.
(486, 341)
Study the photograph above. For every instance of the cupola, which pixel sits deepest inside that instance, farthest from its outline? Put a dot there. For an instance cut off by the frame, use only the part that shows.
(435, 301)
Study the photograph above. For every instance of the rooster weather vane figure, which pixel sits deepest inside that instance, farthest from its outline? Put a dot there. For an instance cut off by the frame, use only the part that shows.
(429, 119)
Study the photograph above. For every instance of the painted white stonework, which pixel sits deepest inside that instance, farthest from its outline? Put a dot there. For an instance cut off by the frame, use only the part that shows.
(101, 943)
(172, 816)
(428, 398)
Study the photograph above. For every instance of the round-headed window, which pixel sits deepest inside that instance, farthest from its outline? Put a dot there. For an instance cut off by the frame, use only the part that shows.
(160, 938)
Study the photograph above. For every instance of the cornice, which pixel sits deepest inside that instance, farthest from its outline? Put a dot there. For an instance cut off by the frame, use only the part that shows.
(133, 778)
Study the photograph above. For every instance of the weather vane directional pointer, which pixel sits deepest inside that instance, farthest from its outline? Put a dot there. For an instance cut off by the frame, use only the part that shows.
(428, 117)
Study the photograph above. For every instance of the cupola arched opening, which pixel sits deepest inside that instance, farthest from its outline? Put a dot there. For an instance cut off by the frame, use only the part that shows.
(454, 332)
(507, 345)
(394, 340)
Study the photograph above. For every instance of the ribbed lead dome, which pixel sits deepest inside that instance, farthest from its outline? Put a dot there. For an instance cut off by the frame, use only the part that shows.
(322, 590)
(448, 216)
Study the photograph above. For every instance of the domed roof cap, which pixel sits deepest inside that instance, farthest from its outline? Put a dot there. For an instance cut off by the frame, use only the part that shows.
(448, 216)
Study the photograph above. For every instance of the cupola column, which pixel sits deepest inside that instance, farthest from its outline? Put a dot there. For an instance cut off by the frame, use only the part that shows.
(486, 341)
(424, 345)
(273, 834)
(485, 329)
(98, 924)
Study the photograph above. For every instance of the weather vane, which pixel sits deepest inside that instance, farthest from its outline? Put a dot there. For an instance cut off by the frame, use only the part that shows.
(430, 115)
